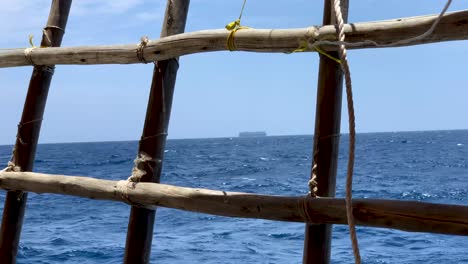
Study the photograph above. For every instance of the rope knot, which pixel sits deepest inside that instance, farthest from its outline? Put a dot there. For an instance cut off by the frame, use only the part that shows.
(123, 187)
(233, 27)
(11, 167)
(313, 185)
(138, 170)
(304, 45)
(140, 49)
(28, 51)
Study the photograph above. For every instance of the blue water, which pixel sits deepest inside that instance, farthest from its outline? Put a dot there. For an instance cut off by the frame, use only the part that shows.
(422, 166)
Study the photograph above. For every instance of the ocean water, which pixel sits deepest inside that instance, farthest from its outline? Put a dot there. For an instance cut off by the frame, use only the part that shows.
(421, 166)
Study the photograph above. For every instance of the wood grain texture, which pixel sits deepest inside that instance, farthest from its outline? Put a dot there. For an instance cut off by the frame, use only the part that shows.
(404, 215)
(153, 138)
(453, 26)
(317, 238)
(29, 129)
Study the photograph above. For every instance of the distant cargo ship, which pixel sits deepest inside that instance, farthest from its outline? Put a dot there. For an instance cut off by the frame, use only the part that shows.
(253, 134)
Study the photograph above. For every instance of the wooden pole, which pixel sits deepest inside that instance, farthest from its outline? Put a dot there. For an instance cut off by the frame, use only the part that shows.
(317, 242)
(452, 26)
(153, 140)
(403, 215)
(28, 131)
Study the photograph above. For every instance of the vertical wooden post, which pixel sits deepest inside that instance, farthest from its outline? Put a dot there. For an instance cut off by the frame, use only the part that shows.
(28, 131)
(317, 242)
(153, 140)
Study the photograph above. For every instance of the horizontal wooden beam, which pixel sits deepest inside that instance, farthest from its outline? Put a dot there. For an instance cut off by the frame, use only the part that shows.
(403, 215)
(453, 26)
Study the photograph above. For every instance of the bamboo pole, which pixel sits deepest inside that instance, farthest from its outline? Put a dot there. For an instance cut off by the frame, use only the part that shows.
(28, 131)
(317, 241)
(153, 140)
(453, 26)
(404, 215)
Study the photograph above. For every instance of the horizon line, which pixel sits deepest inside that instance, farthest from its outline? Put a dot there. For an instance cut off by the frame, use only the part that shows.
(220, 137)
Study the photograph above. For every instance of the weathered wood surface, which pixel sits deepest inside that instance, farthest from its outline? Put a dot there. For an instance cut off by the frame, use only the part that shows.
(153, 139)
(403, 215)
(317, 238)
(453, 26)
(28, 131)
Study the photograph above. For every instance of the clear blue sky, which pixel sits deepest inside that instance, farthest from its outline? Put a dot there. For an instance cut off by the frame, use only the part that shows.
(219, 94)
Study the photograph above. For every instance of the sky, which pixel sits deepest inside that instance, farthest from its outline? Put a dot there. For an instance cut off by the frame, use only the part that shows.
(218, 94)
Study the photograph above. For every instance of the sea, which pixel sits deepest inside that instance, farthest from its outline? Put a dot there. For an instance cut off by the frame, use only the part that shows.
(420, 166)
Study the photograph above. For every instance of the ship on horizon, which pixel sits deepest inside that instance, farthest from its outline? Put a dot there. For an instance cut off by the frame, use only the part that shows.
(252, 134)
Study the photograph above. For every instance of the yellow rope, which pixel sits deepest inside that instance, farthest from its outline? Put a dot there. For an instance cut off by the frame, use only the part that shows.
(233, 27)
(28, 51)
(30, 40)
(304, 47)
(321, 51)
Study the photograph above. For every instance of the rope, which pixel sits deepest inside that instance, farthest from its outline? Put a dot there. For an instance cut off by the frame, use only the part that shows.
(233, 27)
(305, 47)
(392, 44)
(313, 184)
(303, 210)
(242, 10)
(140, 49)
(28, 51)
(54, 27)
(349, 95)
(138, 172)
(20, 126)
(27, 55)
(153, 136)
(122, 188)
(352, 131)
(11, 167)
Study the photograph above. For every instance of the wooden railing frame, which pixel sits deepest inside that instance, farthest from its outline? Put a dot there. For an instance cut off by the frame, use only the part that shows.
(404, 215)
(153, 139)
(318, 238)
(453, 26)
(28, 131)
(146, 196)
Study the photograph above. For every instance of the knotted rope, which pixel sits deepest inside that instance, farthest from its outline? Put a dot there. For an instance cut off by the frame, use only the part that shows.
(138, 172)
(349, 95)
(233, 27)
(11, 167)
(352, 130)
(140, 49)
(21, 125)
(313, 185)
(28, 51)
(392, 44)
(304, 46)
